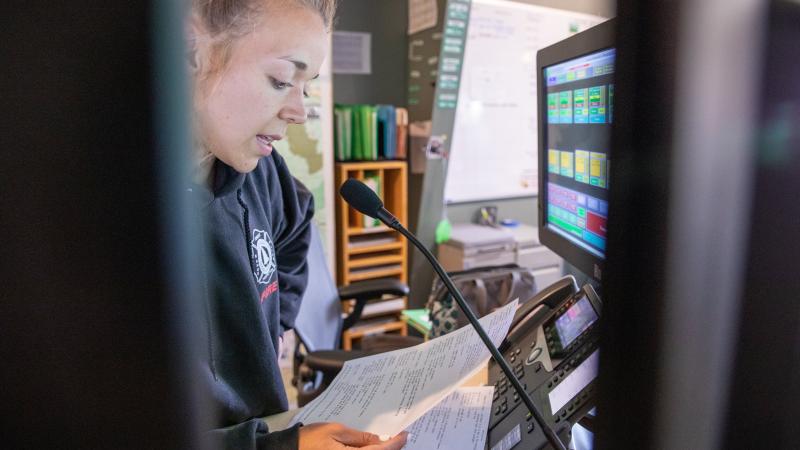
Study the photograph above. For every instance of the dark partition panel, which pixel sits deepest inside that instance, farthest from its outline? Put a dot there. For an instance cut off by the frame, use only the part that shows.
(634, 284)
(700, 339)
(95, 278)
(765, 394)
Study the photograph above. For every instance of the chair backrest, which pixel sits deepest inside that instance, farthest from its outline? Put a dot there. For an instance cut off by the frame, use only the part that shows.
(319, 320)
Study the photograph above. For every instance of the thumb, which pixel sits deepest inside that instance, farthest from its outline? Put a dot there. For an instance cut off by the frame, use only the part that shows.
(395, 443)
(356, 438)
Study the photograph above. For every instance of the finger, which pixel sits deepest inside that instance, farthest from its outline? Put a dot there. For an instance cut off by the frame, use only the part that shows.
(355, 438)
(395, 443)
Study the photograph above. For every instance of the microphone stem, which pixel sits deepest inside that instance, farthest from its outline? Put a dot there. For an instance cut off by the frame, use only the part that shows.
(548, 432)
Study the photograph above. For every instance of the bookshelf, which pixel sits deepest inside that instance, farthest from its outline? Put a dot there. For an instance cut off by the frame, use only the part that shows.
(366, 250)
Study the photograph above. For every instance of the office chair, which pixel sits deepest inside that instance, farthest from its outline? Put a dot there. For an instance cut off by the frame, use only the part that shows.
(319, 324)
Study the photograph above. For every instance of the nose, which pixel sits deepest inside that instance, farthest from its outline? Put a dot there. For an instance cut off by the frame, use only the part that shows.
(293, 110)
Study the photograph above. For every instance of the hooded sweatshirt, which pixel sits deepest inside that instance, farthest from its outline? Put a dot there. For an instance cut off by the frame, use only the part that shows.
(258, 232)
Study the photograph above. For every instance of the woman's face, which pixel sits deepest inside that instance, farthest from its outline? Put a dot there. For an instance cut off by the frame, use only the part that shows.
(248, 105)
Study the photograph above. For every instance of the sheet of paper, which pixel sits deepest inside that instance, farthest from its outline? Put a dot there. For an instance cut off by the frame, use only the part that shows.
(385, 393)
(422, 14)
(459, 422)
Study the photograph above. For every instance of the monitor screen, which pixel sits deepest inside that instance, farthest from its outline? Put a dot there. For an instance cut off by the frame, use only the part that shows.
(579, 95)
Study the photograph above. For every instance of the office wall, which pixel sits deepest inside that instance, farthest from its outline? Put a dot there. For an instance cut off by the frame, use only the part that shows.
(387, 21)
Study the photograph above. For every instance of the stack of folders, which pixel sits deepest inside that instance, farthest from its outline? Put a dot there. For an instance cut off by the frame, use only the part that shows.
(370, 132)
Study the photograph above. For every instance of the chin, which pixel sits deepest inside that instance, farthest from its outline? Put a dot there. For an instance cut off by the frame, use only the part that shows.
(246, 166)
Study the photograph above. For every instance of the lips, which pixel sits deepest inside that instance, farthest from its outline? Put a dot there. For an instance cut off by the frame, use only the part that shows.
(265, 143)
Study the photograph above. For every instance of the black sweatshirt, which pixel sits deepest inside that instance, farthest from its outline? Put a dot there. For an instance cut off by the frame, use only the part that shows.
(258, 231)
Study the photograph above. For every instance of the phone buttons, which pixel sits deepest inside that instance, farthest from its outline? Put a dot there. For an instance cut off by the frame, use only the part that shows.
(535, 353)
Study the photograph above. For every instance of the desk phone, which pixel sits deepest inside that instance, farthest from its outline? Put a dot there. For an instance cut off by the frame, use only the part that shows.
(553, 347)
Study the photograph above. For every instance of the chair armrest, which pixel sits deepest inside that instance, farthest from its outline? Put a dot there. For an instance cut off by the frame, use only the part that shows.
(363, 291)
(330, 362)
(373, 289)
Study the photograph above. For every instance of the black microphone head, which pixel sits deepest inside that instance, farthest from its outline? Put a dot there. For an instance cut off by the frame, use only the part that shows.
(361, 197)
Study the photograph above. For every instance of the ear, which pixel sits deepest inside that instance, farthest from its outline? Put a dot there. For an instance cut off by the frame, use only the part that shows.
(196, 39)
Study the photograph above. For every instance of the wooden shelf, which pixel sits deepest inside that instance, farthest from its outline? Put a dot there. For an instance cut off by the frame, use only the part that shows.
(376, 274)
(375, 261)
(353, 239)
(359, 332)
(371, 230)
(366, 253)
(375, 248)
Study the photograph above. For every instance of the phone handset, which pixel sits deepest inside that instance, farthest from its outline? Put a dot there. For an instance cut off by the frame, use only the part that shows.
(529, 313)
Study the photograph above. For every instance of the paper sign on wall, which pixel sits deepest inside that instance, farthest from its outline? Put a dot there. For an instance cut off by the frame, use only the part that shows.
(422, 14)
(352, 52)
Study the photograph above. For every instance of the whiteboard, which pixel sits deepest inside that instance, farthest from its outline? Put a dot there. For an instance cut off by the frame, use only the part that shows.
(493, 152)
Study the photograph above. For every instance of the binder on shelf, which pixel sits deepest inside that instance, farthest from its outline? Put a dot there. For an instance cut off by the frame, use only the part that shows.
(401, 116)
(370, 133)
(361, 132)
(387, 129)
(348, 134)
(338, 129)
(373, 133)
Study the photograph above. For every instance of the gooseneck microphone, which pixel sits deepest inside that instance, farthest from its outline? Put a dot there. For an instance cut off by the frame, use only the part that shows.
(366, 201)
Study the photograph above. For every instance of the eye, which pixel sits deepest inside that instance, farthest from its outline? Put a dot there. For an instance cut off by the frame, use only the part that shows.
(279, 85)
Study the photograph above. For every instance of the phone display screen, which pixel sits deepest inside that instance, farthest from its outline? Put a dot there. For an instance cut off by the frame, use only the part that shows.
(580, 316)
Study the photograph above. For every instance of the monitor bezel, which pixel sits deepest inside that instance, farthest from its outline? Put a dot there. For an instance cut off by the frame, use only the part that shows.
(598, 38)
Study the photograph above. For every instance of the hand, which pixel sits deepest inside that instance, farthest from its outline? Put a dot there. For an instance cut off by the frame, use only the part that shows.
(335, 436)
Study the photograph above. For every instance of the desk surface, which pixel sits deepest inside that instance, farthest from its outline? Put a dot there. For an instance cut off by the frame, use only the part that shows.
(281, 421)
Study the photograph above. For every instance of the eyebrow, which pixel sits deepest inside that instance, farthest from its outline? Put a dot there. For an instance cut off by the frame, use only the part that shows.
(299, 64)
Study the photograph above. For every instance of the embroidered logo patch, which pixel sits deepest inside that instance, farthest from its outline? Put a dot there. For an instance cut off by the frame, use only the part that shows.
(263, 255)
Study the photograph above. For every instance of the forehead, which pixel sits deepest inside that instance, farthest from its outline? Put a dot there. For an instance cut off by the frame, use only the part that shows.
(285, 32)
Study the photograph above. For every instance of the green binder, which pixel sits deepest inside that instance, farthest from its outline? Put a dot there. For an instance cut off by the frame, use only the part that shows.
(366, 133)
(347, 113)
(358, 142)
(338, 117)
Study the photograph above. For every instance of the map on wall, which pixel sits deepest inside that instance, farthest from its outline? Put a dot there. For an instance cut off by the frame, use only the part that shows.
(308, 152)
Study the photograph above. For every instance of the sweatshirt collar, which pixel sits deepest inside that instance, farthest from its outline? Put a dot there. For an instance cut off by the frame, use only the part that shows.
(226, 180)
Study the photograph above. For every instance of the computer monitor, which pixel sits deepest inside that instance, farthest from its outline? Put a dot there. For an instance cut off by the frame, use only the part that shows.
(576, 110)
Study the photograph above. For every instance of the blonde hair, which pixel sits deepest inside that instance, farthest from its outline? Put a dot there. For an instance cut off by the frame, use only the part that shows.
(227, 20)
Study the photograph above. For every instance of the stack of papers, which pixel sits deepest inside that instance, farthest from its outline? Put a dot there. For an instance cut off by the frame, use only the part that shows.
(460, 421)
(390, 392)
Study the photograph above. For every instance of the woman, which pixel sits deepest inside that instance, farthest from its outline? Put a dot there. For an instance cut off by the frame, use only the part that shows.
(251, 61)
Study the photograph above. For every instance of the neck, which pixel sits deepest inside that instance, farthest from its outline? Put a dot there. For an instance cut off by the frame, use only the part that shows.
(203, 165)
